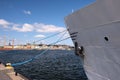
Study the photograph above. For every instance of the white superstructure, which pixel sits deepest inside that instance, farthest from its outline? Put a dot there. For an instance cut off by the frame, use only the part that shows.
(97, 28)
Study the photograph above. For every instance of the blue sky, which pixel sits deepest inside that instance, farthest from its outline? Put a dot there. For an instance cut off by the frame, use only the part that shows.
(26, 21)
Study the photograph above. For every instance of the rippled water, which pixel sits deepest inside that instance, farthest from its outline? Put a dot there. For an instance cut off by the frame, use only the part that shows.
(53, 65)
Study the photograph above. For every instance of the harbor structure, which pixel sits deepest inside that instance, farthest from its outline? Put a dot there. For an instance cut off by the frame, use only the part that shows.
(7, 73)
(37, 46)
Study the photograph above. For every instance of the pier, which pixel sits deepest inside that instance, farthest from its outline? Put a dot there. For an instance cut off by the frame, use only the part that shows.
(8, 73)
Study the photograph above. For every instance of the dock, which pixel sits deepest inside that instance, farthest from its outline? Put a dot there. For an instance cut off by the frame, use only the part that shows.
(8, 73)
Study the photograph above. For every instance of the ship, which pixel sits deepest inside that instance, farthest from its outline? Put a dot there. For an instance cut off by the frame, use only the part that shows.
(95, 32)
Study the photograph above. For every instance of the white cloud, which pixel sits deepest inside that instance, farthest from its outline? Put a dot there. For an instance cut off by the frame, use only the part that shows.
(37, 27)
(27, 12)
(39, 36)
(4, 23)
(47, 28)
(1, 38)
(25, 28)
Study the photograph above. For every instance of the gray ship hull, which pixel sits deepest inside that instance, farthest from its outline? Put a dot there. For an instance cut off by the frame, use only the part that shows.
(97, 29)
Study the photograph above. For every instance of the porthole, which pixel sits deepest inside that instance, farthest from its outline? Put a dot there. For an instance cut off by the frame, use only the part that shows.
(106, 38)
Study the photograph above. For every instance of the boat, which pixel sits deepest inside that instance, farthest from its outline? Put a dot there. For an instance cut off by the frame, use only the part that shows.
(95, 32)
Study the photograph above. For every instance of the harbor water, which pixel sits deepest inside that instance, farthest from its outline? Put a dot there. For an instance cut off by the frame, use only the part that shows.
(52, 65)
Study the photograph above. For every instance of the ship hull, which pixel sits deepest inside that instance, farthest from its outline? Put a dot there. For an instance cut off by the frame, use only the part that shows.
(96, 28)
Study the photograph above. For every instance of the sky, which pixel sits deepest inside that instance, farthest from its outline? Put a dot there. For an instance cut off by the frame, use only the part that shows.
(26, 21)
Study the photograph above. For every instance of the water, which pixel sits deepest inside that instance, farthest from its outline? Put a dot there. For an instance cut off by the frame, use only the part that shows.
(53, 65)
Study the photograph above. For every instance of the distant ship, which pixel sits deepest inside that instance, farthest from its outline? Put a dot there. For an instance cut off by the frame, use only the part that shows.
(95, 31)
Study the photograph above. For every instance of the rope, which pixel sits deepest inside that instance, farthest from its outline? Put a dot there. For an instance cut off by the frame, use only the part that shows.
(46, 37)
(50, 46)
(24, 62)
(50, 36)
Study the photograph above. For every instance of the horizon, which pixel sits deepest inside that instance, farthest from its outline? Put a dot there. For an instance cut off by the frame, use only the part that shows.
(26, 21)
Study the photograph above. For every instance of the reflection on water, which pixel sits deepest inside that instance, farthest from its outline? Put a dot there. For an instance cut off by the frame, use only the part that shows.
(53, 65)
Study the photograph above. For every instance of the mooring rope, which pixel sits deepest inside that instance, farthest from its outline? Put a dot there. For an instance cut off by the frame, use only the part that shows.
(24, 62)
(49, 36)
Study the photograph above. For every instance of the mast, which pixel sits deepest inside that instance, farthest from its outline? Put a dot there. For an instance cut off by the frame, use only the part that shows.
(13, 44)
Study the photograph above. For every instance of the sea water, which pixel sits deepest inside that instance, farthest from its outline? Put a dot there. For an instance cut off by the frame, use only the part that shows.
(52, 65)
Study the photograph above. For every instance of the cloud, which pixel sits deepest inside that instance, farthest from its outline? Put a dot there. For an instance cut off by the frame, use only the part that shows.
(4, 23)
(47, 28)
(39, 36)
(1, 38)
(25, 28)
(38, 27)
(27, 12)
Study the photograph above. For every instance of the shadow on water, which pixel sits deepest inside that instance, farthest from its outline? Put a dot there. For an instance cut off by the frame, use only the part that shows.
(53, 65)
